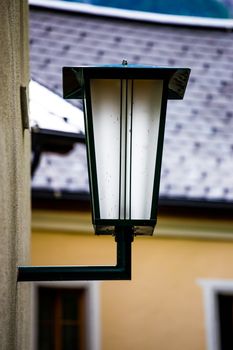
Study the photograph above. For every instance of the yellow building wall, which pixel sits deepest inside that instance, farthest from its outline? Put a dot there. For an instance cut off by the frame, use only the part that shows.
(162, 307)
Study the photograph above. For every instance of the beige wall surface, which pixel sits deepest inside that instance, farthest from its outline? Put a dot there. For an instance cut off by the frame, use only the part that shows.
(162, 307)
(14, 179)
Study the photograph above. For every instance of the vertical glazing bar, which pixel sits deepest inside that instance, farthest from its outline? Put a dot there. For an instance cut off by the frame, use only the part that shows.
(120, 160)
(126, 131)
(125, 169)
(131, 138)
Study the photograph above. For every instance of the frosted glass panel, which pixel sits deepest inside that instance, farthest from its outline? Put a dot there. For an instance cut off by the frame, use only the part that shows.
(106, 111)
(146, 115)
(126, 118)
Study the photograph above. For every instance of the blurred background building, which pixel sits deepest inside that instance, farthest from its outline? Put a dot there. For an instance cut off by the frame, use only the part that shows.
(181, 293)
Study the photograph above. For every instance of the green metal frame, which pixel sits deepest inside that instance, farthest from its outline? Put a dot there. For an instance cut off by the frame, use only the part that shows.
(74, 78)
(76, 85)
(122, 270)
(91, 153)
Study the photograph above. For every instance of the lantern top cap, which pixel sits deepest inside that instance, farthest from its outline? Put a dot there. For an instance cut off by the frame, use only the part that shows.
(74, 78)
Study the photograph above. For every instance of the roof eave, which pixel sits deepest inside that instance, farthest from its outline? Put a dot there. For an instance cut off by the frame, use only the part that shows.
(171, 205)
(192, 21)
(199, 204)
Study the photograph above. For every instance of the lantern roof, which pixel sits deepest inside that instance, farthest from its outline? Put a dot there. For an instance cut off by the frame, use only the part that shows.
(74, 77)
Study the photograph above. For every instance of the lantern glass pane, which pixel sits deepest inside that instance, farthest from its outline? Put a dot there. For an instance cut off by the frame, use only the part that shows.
(105, 97)
(126, 115)
(146, 117)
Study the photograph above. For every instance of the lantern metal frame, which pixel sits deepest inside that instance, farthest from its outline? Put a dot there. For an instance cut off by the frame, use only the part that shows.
(76, 85)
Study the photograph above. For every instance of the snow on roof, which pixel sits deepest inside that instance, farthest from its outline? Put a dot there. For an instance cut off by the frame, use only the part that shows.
(50, 111)
(134, 15)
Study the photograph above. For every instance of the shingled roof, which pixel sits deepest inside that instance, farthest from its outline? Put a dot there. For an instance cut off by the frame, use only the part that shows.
(198, 150)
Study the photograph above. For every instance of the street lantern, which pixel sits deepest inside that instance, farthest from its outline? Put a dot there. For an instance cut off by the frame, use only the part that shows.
(125, 110)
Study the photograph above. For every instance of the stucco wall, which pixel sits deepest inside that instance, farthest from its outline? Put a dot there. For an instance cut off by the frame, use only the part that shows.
(162, 307)
(14, 176)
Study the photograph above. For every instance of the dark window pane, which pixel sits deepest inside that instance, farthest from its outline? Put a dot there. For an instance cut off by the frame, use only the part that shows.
(46, 337)
(60, 319)
(225, 303)
(46, 304)
(69, 306)
(70, 338)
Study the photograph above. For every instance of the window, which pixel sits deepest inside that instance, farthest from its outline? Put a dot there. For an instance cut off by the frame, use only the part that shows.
(61, 319)
(225, 307)
(218, 306)
(50, 298)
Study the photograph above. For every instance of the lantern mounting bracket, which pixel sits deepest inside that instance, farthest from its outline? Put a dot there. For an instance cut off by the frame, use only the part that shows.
(122, 270)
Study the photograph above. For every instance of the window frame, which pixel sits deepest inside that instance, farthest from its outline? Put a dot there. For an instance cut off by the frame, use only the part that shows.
(211, 290)
(92, 310)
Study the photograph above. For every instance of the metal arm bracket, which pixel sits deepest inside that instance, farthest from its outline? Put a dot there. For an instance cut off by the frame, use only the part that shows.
(122, 270)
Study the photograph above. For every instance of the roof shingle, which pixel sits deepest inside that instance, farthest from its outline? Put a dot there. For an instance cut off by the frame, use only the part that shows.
(198, 148)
